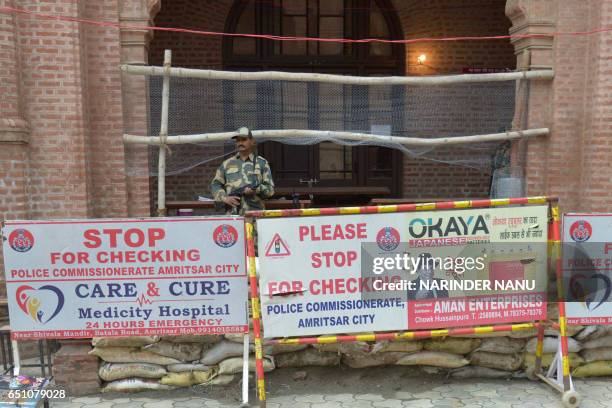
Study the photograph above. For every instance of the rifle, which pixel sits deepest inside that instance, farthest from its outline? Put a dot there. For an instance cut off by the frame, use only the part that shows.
(239, 192)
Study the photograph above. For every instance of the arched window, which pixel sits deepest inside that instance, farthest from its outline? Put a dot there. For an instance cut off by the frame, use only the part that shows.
(327, 163)
(315, 18)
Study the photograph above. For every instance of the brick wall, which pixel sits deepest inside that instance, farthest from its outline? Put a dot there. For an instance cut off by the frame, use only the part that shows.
(597, 145)
(193, 51)
(61, 152)
(422, 178)
(572, 162)
(13, 171)
(13, 133)
(451, 18)
(70, 94)
(53, 85)
(189, 50)
(105, 150)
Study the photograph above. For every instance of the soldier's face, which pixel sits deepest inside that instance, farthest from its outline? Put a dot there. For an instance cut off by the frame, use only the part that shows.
(244, 144)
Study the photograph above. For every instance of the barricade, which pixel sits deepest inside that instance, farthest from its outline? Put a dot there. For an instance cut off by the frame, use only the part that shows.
(128, 277)
(562, 381)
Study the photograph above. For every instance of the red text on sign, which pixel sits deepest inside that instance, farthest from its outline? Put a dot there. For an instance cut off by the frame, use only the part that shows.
(330, 232)
(133, 237)
(337, 259)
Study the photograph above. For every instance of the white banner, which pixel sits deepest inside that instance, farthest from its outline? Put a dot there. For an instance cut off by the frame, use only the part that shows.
(311, 279)
(587, 268)
(126, 277)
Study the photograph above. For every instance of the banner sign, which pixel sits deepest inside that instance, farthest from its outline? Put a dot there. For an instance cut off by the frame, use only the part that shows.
(128, 277)
(368, 272)
(587, 268)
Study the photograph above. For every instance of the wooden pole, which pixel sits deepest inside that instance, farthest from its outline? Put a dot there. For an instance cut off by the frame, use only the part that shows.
(324, 135)
(163, 137)
(336, 79)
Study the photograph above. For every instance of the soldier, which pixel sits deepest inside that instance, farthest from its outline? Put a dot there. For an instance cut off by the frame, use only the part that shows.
(244, 180)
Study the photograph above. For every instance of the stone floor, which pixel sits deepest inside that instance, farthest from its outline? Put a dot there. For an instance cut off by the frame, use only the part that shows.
(367, 388)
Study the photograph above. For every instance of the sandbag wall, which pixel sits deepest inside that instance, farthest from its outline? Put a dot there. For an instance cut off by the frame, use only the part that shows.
(154, 363)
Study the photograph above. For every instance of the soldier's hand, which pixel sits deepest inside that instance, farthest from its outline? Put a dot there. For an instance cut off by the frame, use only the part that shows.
(231, 200)
(248, 191)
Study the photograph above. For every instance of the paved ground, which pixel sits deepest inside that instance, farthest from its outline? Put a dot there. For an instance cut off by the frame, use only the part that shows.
(367, 388)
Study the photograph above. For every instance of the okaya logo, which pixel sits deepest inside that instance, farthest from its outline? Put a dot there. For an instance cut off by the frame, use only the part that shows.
(445, 227)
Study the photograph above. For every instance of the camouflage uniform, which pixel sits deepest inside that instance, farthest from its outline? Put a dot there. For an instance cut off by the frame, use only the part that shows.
(235, 173)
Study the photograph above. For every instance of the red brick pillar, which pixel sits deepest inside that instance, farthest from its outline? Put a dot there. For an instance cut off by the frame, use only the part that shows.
(52, 61)
(134, 50)
(14, 134)
(74, 370)
(106, 154)
(532, 98)
(595, 186)
(573, 161)
(51, 79)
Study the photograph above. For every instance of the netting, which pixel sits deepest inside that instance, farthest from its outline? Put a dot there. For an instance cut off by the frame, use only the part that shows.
(426, 111)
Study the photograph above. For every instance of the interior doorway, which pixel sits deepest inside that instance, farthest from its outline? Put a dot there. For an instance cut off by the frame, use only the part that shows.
(325, 166)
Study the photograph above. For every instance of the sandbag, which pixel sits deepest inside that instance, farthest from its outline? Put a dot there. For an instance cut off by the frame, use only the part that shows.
(135, 341)
(344, 348)
(552, 311)
(594, 369)
(570, 330)
(180, 351)
(452, 345)
(503, 345)
(187, 379)
(431, 370)
(118, 371)
(602, 353)
(200, 377)
(178, 379)
(594, 332)
(482, 335)
(220, 380)
(479, 372)
(587, 332)
(498, 361)
(433, 358)
(239, 338)
(605, 341)
(547, 358)
(131, 355)
(397, 346)
(274, 349)
(551, 345)
(307, 357)
(221, 351)
(194, 338)
(234, 365)
(363, 359)
(183, 367)
(523, 334)
(135, 385)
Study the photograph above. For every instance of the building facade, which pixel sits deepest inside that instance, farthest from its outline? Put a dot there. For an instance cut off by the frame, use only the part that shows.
(62, 113)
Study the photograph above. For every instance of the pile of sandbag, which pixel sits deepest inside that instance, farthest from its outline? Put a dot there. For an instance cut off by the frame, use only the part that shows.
(154, 363)
(596, 342)
(130, 364)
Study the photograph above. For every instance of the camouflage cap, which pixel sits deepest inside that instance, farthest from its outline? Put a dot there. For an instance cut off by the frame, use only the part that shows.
(243, 132)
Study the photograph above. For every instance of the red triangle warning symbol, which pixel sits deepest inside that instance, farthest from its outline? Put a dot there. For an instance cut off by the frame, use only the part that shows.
(277, 247)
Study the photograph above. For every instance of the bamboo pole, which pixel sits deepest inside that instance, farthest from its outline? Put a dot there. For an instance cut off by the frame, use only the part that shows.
(333, 135)
(163, 137)
(336, 79)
